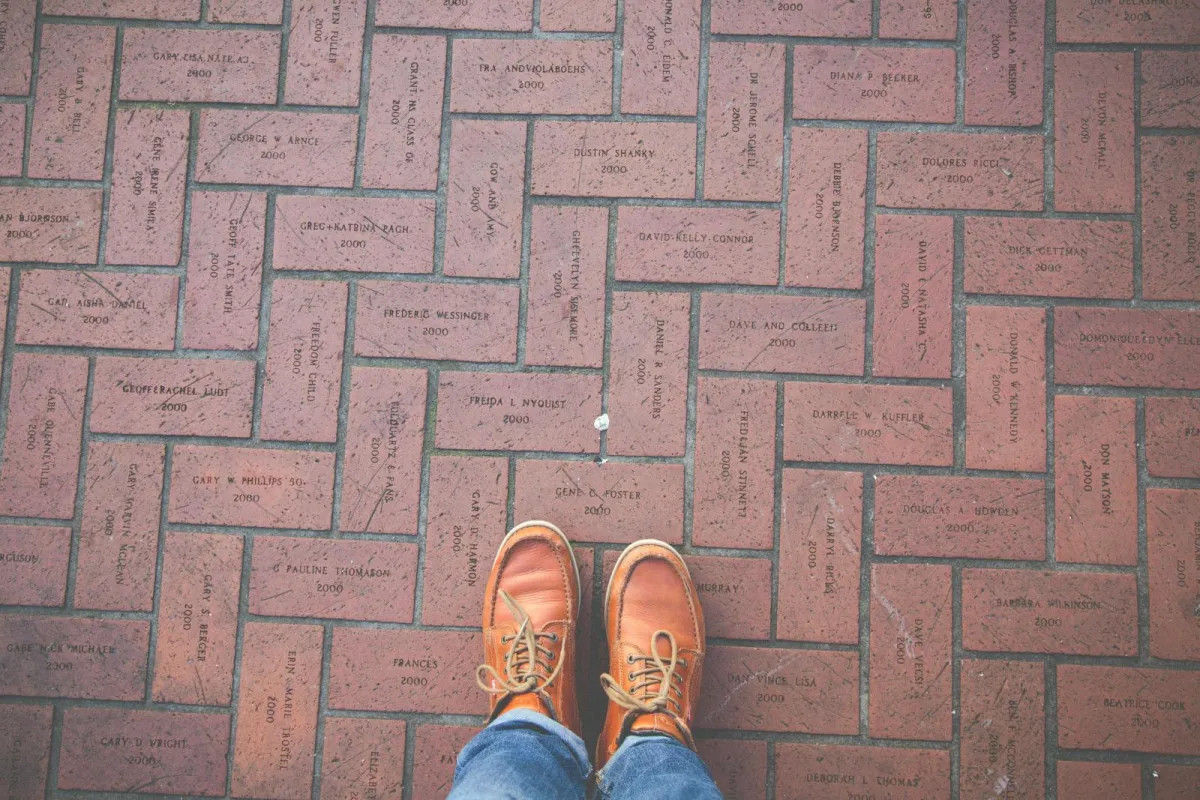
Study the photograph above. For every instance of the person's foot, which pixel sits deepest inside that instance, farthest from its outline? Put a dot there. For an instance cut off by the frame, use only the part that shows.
(529, 625)
(656, 647)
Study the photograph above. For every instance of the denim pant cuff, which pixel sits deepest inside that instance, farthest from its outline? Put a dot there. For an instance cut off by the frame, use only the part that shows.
(521, 718)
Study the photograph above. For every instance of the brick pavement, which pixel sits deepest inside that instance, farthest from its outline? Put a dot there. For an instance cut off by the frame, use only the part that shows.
(892, 308)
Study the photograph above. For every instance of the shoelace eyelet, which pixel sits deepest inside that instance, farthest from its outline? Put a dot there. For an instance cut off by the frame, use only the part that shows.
(554, 637)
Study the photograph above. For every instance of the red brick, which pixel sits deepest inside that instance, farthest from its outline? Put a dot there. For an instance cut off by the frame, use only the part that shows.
(960, 517)
(743, 148)
(1093, 132)
(859, 83)
(661, 57)
(1095, 508)
(521, 76)
(277, 704)
(33, 565)
(145, 215)
(617, 502)
(918, 19)
(304, 361)
(647, 159)
(173, 396)
(467, 502)
(276, 147)
(771, 18)
(119, 750)
(25, 745)
(1079, 780)
(1090, 22)
(647, 393)
(406, 670)
(251, 486)
(1006, 388)
(1173, 437)
(408, 78)
(96, 659)
(50, 225)
(435, 757)
(363, 758)
(485, 199)
(263, 12)
(70, 109)
(450, 321)
(381, 471)
(820, 548)
(1126, 708)
(1168, 83)
(1176, 782)
(1005, 89)
(1173, 556)
(511, 411)
(1048, 257)
(483, 15)
(16, 51)
(179, 10)
(390, 234)
(40, 471)
(910, 652)
(12, 136)
(733, 502)
(1002, 746)
(735, 593)
(760, 689)
(324, 60)
(826, 224)
(1127, 347)
(118, 537)
(197, 619)
(1170, 229)
(914, 277)
(599, 16)
(698, 245)
(738, 767)
(869, 424)
(824, 772)
(126, 310)
(239, 66)
(565, 311)
(959, 170)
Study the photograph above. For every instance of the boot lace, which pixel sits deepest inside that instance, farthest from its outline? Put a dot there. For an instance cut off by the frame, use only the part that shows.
(528, 663)
(655, 688)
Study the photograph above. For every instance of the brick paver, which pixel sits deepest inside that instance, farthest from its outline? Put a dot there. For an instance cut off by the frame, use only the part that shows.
(302, 305)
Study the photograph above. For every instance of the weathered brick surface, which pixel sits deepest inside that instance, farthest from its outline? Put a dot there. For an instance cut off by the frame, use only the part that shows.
(1003, 729)
(199, 66)
(70, 110)
(896, 84)
(1093, 132)
(1170, 221)
(34, 565)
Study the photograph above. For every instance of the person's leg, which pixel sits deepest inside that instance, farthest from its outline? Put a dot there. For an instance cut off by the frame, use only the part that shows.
(655, 768)
(522, 754)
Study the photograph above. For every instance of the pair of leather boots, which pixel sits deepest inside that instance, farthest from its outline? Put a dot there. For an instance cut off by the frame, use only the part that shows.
(655, 630)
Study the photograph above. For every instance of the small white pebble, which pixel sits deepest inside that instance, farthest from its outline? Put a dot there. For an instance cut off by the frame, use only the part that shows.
(601, 422)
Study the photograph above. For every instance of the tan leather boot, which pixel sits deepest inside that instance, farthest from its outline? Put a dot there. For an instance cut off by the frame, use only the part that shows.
(656, 647)
(529, 625)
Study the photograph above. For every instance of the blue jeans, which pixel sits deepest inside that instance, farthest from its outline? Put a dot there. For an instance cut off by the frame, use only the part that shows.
(523, 755)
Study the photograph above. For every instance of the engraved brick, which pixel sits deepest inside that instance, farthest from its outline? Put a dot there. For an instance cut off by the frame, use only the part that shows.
(1003, 729)
(738, 767)
(1127, 708)
(177, 10)
(224, 273)
(1172, 533)
(1170, 227)
(860, 83)
(614, 159)
(1095, 480)
(200, 66)
(197, 619)
(118, 537)
(5, 282)
(119, 750)
(647, 394)
(1007, 89)
(743, 149)
(1168, 82)
(483, 15)
(70, 109)
(451, 321)
(467, 502)
(826, 222)
(1175, 782)
(1088, 22)
(251, 486)
(1127, 347)
(908, 774)
(1093, 132)
(406, 670)
(276, 147)
(698, 245)
(914, 277)
(910, 652)
(435, 757)
(959, 170)
(953, 517)
(404, 112)
(16, 50)
(532, 76)
(49, 225)
(565, 313)
(1172, 437)
(33, 567)
(803, 691)
(145, 213)
(772, 18)
(484, 200)
(1078, 780)
(355, 234)
(381, 471)
(918, 19)
(304, 361)
(40, 471)
(616, 502)
(98, 309)
(96, 659)
(263, 12)
(324, 60)
(599, 16)
(277, 704)
(733, 502)
(363, 758)
(25, 744)
(173, 396)
(870, 424)
(661, 57)
(820, 548)
(12, 136)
